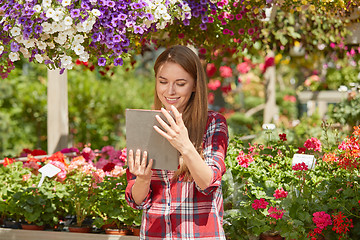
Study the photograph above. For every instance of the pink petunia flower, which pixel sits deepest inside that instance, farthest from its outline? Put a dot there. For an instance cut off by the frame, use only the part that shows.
(275, 213)
(322, 219)
(244, 160)
(280, 193)
(259, 204)
(313, 144)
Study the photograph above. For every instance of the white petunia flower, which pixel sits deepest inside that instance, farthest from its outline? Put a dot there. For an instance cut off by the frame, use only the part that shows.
(161, 9)
(58, 14)
(1, 49)
(41, 45)
(65, 3)
(39, 58)
(51, 45)
(37, 8)
(186, 8)
(79, 49)
(25, 52)
(45, 37)
(29, 43)
(50, 13)
(46, 3)
(78, 38)
(65, 60)
(96, 12)
(15, 31)
(84, 57)
(14, 56)
(158, 2)
(46, 27)
(68, 21)
(166, 17)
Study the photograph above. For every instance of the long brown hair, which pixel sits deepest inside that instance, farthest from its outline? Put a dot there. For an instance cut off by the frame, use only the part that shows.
(196, 111)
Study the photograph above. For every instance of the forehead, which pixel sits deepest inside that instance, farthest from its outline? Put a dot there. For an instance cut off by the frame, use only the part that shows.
(173, 70)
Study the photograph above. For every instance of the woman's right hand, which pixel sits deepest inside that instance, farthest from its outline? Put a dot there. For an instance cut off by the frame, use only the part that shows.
(138, 166)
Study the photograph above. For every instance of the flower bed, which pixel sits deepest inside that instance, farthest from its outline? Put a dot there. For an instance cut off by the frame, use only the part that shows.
(88, 191)
(265, 192)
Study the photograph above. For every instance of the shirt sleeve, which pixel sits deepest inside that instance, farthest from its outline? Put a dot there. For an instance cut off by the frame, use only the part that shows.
(215, 146)
(128, 196)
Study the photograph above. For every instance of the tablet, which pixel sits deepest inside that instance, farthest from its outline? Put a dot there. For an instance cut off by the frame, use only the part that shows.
(140, 134)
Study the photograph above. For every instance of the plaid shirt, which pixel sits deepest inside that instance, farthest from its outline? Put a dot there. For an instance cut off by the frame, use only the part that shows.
(181, 210)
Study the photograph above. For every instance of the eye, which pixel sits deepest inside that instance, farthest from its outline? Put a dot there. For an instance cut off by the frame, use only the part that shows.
(163, 82)
(180, 84)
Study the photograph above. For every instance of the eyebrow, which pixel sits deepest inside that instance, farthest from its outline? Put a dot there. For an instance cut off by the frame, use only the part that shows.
(179, 79)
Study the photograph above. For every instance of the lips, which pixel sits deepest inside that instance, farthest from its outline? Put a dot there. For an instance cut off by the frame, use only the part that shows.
(172, 100)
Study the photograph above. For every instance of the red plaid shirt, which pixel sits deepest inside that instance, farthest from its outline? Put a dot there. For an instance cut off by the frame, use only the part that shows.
(181, 210)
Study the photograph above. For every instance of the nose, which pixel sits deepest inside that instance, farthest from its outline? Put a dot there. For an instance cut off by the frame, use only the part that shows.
(171, 89)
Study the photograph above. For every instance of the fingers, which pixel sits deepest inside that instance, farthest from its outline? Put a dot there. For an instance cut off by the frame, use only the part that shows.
(178, 116)
(131, 160)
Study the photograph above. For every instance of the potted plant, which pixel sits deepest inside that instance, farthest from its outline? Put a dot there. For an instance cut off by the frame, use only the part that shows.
(13, 176)
(111, 208)
(265, 193)
(80, 184)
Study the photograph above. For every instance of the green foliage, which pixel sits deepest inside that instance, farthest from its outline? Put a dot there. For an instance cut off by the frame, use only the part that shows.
(346, 75)
(111, 206)
(96, 105)
(347, 112)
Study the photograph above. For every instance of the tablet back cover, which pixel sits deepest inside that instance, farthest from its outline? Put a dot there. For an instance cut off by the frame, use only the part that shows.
(140, 134)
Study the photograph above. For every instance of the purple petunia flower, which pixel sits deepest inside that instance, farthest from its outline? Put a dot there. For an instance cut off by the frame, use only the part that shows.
(116, 38)
(74, 13)
(111, 4)
(122, 16)
(22, 20)
(102, 61)
(203, 26)
(149, 16)
(15, 47)
(186, 22)
(204, 19)
(96, 37)
(138, 29)
(118, 62)
(27, 30)
(38, 29)
(121, 5)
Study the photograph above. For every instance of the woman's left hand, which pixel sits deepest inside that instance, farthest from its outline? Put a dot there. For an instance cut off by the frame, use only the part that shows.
(176, 133)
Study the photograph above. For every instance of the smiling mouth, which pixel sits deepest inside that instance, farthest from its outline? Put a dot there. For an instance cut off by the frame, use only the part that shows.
(171, 99)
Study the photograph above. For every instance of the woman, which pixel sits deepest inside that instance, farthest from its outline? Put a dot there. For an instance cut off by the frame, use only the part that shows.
(187, 203)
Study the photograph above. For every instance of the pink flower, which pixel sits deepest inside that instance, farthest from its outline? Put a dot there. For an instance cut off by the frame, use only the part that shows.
(280, 193)
(88, 154)
(26, 177)
(313, 144)
(214, 84)
(181, 35)
(244, 160)
(225, 71)
(123, 155)
(300, 167)
(275, 213)
(322, 219)
(259, 203)
(243, 67)
(210, 69)
(99, 175)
